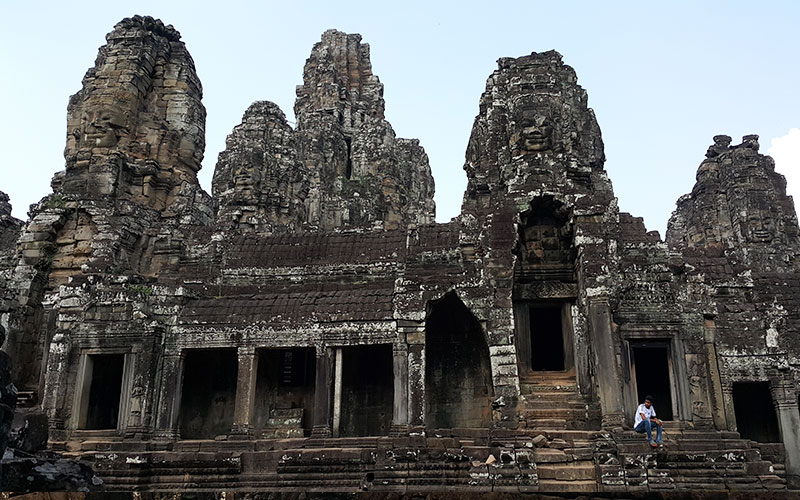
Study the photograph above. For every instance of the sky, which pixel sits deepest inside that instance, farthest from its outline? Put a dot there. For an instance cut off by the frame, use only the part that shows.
(662, 79)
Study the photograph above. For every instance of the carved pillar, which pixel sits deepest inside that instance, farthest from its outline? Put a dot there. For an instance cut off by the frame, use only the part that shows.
(337, 391)
(786, 404)
(400, 404)
(322, 395)
(606, 363)
(245, 393)
(715, 383)
(415, 370)
(169, 399)
(54, 395)
(727, 401)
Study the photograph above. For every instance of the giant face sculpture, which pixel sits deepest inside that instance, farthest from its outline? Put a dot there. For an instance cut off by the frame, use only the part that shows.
(102, 128)
(536, 132)
(532, 128)
(760, 227)
(758, 218)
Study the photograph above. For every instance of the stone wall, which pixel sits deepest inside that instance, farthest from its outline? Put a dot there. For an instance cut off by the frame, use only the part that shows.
(319, 241)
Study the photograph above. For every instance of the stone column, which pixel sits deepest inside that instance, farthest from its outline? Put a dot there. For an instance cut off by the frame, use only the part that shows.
(169, 398)
(786, 404)
(606, 363)
(337, 391)
(322, 395)
(54, 396)
(715, 384)
(245, 393)
(400, 404)
(415, 371)
(730, 413)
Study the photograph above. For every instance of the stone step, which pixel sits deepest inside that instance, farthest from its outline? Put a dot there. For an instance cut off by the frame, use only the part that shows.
(288, 431)
(546, 423)
(575, 471)
(544, 455)
(550, 391)
(571, 436)
(568, 413)
(555, 486)
(171, 471)
(547, 404)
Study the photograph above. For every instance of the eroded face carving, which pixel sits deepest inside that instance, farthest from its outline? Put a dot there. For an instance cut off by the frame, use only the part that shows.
(102, 128)
(244, 181)
(536, 132)
(761, 227)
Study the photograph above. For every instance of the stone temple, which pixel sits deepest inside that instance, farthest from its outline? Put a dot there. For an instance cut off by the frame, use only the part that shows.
(308, 325)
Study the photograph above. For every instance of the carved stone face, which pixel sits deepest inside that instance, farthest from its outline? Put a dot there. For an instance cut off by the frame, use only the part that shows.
(102, 128)
(244, 181)
(535, 132)
(760, 227)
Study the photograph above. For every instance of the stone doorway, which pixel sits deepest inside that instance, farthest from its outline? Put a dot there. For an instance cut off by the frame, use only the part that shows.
(651, 365)
(458, 384)
(284, 402)
(209, 393)
(363, 391)
(755, 412)
(547, 338)
(102, 388)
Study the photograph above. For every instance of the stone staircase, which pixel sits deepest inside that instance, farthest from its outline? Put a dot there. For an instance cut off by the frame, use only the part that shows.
(284, 423)
(556, 452)
(690, 459)
(551, 400)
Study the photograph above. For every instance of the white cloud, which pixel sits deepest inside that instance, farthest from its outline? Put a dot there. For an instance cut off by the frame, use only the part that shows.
(786, 152)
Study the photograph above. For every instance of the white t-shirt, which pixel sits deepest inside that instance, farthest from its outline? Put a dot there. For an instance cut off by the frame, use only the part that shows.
(648, 413)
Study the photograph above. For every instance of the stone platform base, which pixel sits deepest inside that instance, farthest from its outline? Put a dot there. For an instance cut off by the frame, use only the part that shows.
(468, 460)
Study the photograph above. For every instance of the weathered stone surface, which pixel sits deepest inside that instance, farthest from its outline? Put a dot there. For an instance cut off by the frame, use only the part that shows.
(137, 127)
(342, 166)
(24, 475)
(8, 396)
(260, 183)
(311, 327)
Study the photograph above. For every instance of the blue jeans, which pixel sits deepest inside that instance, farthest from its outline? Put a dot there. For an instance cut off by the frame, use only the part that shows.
(647, 426)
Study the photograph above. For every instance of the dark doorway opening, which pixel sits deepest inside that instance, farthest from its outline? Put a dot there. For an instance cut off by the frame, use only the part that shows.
(104, 372)
(651, 361)
(547, 338)
(458, 383)
(209, 393)
(284, 392)
(367, 393)
(755, 412)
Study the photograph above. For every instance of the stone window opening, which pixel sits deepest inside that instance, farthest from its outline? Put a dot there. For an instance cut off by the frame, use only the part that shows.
(544, 336)
(651, 365)
(363, 391)
(103, 379)
(285, 385)
(209, 393)
(544, 250)
(754, 408)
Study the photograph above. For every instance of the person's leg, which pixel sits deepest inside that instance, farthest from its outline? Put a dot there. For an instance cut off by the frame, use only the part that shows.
(649, 428)
(658, 434)
(640, 427)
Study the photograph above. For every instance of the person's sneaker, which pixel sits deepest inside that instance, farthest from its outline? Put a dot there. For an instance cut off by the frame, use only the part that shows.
(653, 444)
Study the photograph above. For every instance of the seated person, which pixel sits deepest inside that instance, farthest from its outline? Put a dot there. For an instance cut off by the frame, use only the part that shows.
(646, 420)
